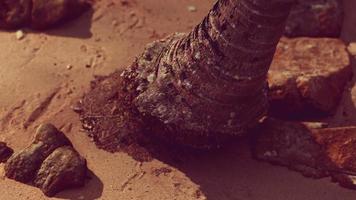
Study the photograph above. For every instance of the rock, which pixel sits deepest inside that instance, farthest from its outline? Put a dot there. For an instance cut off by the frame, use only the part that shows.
(20, 35)
(63, 169)
(352, 49)
(314, 151)
(47, 13)
(14, 13)
(339, 145)
(51, 137)
(192, 8)
(5, 152)
(315, 18)
(22, 166)
(307, 77)
(290, 144)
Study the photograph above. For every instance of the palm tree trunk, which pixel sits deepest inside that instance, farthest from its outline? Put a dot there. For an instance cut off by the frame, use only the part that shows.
(199, 87)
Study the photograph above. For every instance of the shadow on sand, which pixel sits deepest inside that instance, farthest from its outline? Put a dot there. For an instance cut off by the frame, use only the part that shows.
(232, 174)
(93, 190)
(76, 28)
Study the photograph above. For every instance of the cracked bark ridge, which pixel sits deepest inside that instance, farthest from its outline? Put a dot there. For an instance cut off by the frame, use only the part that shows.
(315, 18)
(62, 169)
(211, 82)
(22, 166)
(308, 77)
(309, 148)
(195, 89)
(5, 152)
(39, 14)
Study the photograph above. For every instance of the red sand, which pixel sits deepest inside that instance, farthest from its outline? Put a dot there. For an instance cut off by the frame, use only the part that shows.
(35, 67)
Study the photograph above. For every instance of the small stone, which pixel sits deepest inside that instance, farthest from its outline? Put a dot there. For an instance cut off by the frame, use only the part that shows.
(192, 8)
(20, 35)
(62, 169)
(307, 77)
(114, 23)
(315, 18)
(69, 67)
(5, 152)
(352, 49)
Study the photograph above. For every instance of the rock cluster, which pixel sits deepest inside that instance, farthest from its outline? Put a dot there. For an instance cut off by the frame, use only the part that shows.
(307, 80)
(5, 152)
(38, 14)
(315, 18)
(49, 162)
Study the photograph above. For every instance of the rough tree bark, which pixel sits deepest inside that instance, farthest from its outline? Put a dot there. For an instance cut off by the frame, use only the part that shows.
(201, 87)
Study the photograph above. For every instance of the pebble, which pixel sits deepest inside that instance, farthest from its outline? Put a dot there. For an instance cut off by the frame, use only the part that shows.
(69, 67)
(20, 35)
(352, 49)
(192, 8)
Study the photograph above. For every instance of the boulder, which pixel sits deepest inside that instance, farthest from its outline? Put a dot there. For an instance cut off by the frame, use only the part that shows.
(307, 77)
(61, 170)
(315, 18)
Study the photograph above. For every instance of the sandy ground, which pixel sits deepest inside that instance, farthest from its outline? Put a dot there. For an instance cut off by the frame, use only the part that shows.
(36, 87)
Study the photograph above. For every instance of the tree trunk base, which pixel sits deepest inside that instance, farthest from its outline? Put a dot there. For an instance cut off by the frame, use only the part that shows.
(112, 120)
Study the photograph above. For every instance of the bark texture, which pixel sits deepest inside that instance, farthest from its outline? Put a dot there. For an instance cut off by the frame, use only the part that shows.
(200, 87)
(212, 81)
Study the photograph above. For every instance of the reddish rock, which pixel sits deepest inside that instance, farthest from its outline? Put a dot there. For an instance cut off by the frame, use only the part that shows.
(308, 77)
(5, 152)
(61, 170)
(290, 144)
(14, 13)
(315, 18)
(309, 148)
